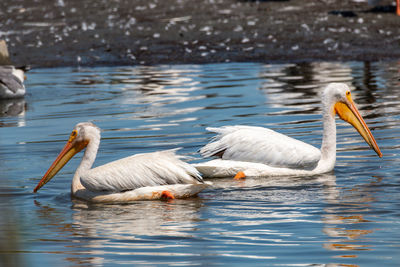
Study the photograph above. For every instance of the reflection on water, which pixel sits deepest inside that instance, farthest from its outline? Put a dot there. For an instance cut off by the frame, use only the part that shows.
(97, 229)
(14, 108)
(10, 241)
(345, 221)
(345, 218)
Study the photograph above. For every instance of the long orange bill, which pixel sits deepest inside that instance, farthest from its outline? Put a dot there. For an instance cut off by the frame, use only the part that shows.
(69, 150)
(350, 113)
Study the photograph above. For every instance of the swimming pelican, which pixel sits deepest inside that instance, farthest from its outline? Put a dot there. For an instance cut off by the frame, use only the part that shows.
(12, 81)
(256, 151)
(143, 176)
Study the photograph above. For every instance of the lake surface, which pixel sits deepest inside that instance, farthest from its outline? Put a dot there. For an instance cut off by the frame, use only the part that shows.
(347, 218)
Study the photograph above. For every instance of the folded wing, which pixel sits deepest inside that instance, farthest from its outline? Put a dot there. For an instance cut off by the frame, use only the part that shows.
(150, 169)
(260, 145)
(8, 80)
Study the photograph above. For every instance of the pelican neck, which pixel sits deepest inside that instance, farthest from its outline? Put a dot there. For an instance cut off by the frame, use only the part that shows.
(328, 146)
(86, 164)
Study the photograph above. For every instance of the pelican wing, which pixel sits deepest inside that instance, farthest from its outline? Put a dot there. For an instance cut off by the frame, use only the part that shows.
(260, 145)
(150, 169)
(8, 80)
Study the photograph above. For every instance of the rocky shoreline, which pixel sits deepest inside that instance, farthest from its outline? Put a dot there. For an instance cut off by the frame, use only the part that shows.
(46, 33)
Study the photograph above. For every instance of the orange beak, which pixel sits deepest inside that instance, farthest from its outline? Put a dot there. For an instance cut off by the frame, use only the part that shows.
(70, 149)
(349, 113)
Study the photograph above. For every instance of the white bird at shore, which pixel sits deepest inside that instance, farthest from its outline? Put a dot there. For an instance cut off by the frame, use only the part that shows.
(12, 82)
(256, 151)
(139, 177)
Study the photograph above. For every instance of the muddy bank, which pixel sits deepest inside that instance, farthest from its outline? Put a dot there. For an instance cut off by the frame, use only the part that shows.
(47, 33)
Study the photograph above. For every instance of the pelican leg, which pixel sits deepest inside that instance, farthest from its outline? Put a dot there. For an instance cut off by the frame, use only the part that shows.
(167, 195)
(239, 175)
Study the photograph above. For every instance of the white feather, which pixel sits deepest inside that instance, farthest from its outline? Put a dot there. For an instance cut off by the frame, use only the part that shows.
(143, 193)
(259, 151)
(138, 177)
(261, 145)
(150, 169)
(11, 82)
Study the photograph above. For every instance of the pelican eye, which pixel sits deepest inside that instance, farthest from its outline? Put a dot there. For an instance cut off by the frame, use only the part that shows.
(73, 135)
(348, 96)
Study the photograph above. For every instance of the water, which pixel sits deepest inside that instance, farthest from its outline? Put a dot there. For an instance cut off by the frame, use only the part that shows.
(346, 218)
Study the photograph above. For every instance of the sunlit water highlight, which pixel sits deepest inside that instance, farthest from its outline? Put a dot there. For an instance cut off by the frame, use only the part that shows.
(349, 217)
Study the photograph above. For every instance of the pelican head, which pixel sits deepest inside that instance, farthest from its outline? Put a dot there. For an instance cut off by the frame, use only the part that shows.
(81, 136)
(337, 97)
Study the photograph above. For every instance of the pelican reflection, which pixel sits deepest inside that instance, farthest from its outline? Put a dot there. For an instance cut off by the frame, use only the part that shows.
(97, 230)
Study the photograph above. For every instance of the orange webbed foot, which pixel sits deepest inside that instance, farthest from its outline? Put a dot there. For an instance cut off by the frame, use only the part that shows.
(239, 175)
(167, 195)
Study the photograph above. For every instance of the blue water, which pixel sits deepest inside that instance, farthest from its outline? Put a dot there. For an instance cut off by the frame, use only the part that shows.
(346, 218)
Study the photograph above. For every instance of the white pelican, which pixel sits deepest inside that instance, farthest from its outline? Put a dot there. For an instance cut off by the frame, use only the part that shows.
(138, 177)
(12, 81)
(256, 151)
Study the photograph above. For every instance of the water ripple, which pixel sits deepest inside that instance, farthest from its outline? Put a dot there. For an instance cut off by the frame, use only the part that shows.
(348, 217)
